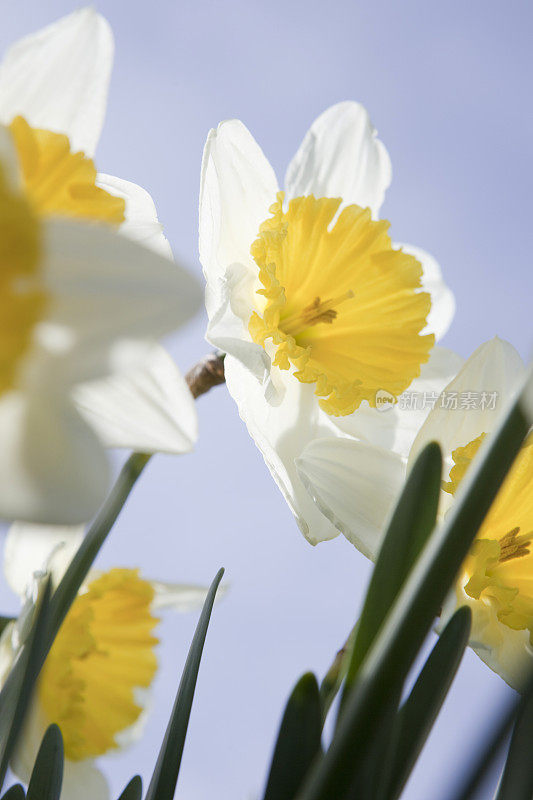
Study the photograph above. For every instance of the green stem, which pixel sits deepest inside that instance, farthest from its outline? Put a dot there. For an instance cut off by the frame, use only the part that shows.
(96, 536)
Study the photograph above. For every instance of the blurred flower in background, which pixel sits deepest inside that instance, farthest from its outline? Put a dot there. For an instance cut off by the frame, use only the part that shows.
(96, 680)
(83, 300)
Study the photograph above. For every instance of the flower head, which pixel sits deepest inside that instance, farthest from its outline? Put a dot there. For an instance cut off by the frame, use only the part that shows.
(80, 300)
(96, 679)
(357, 486)
(316, 308)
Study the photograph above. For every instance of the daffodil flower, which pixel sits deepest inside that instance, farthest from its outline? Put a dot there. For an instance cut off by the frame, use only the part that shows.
(96, 681)
(357, 486)
(53, 95)
(78, 301)
(318, 311)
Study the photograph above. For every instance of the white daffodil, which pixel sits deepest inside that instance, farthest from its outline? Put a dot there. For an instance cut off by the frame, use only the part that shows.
(96, 680)
(53, 95)
(78, 302)
(319, 313)
(357, 486)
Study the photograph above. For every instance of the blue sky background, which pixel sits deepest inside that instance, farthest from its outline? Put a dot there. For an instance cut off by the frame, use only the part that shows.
(448, 87)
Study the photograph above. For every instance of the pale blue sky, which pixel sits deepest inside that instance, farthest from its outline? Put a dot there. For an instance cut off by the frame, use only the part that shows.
(447, 84)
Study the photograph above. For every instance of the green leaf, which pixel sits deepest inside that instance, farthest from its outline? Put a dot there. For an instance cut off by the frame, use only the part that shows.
(410, 526)
(165, 776)
(517, 778)
(371, 781)
(134, 789)
(421, 708)
(298, 740)
(17, 692)
(418, 603)
(15, 792)
(47, 775)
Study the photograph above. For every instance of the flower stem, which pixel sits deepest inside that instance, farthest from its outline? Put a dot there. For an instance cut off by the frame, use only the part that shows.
(208, 372)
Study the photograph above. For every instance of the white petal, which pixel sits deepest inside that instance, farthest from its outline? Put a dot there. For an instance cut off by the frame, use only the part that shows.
(58, 78)
(355, 485)
(442, 299)
(231, 304)
(105, 289)
(395, 427)
(341, 156)
(53, 469)
(148, 409)
(35, 548)
(507, 652)
(496, 370)
(141, 224)
(237, 188)
(281, 432)
(82, 780)
(178, 596)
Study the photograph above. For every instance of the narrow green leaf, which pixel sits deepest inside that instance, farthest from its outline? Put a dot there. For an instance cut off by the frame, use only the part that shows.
(421, 708)
(47, 775)
(15, 792)
(298, 740)
(165, 776)
(134, 789)
(17, 692)
(409, 529)
(418, 603)
(517, 778)
(371, 780)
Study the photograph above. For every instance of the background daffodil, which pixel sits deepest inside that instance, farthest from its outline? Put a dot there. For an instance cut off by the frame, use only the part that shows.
(357, 485)
(80, 302)
(53, 95)
(96, 680)
(316, 309)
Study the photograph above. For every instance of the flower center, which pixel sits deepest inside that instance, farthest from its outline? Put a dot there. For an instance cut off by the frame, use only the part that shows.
(22, 296)
(58, 181)
(103, 654)
(499, 569)
(338, 302)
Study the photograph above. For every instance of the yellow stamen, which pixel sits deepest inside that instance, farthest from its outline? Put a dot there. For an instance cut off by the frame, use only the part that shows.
(22, 295)
(103, 653)
(58, 181)
(338, 302)
(499, 569)
(313, 314)
(514, 546)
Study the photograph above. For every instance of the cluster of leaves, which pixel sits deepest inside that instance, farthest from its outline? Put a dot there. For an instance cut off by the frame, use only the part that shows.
(378, 732)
